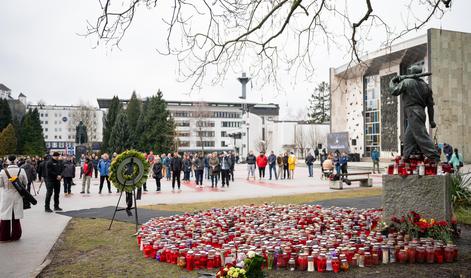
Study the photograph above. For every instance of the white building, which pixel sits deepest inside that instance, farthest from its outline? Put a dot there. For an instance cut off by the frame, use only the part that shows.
(59, 126)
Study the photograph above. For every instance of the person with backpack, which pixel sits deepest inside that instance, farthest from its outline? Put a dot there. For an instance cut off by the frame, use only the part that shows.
(104, 169)
(87, 175)
(310, 164)
(11, 202)
(68, 173)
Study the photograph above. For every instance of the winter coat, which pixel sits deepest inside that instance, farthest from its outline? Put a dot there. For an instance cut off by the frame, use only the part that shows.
(233, 161)
(251, 159)
(10, 200)
(214, 166)
(375, 155)
(199, 164)
(176, 164)
(88, 169)
(343, 160)
(206, 162)
(262, 161)
(310, 159)
(226, 163)
(272, 159)
(279, 160)
(104, 167)
(30, 171)
(53, 169)
(95, 163)
(42, 169)
(186, 165)
(285, 161)
(157, 170)
(455, 160)
(291, 162)
(69, 170)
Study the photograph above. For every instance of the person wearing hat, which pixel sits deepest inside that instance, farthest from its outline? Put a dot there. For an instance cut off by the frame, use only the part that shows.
(53, 181)
(11, 202)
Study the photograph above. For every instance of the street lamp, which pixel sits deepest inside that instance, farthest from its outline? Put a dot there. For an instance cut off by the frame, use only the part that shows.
(243, 81)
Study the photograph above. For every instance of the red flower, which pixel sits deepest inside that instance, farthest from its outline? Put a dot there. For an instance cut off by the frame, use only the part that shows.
(441, 223)
(395, 219)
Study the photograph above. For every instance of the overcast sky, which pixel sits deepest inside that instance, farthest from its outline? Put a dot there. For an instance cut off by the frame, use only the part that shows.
(42, 56)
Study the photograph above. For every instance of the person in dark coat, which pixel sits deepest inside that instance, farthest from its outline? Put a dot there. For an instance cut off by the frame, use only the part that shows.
(226, 164)
(53, 181)
(68, 173)
(285, 166)
(176, 166)
(233, 162)
(186, 168)
(30, 173)
(157, 172)
(95, 161)
(199, 169)
(310, 163)
(42, 168)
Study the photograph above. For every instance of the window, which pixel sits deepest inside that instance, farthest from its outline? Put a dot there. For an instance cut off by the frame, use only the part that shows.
(42, 115)
(184, 143)
(205, 143)
(372, 114)
(42, 122)
(45, 136)
(45, 129)
(224, 134)
(181, 114)
(183, 134)
(205, 133)
(45, 122)
(204, 124)
(230, 124)
(55, 136)
(226, 114)
(223, 144)
(182, 123)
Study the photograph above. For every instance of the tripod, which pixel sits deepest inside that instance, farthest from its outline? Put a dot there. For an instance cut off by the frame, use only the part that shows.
(127, 208)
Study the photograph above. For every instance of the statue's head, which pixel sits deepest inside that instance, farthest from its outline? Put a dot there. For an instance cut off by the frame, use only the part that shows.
(81, 123)
(414, 69)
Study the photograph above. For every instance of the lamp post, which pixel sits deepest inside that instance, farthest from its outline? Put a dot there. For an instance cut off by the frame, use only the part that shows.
(243, 81)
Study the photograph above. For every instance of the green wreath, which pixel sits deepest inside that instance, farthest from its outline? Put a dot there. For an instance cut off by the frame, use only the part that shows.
(123, 176)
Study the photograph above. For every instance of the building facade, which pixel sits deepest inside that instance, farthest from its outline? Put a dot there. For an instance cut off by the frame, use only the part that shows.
(59, 126)
(362, 105)
(217, 126)
(17, 106)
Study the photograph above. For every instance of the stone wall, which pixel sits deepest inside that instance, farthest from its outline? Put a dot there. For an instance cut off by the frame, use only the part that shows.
(428, 195)
(450, 64)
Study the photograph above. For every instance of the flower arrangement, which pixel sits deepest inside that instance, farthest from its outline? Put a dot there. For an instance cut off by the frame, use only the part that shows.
(231, 271)
(416, 226)
(123, 176)
(253, 265)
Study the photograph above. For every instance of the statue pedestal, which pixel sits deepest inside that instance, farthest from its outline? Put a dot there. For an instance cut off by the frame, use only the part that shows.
(428, 195)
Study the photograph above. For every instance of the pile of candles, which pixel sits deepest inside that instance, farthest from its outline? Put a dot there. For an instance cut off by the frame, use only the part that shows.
(293, 237)
(416, 165)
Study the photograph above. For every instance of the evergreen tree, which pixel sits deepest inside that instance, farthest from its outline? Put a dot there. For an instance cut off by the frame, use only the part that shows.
(119, 137)
(8, 141)
(38, 145)
(113, 111)
(160, 128)
(141, 129)
(319, 108)
(133, 112)
(5, 114)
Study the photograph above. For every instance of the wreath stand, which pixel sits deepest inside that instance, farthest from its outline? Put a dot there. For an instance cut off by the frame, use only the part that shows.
(121, 209)
(130, 169)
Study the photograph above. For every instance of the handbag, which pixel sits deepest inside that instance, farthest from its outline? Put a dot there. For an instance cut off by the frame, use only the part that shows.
(28, 199)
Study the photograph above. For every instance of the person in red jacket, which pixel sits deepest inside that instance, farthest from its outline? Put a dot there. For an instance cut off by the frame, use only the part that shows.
(262, 162)
(87, 175)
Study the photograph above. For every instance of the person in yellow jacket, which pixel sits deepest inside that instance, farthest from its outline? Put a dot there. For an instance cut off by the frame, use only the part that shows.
(292, 164)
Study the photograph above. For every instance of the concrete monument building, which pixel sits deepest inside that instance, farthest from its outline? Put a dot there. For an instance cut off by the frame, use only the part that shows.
(363, 106)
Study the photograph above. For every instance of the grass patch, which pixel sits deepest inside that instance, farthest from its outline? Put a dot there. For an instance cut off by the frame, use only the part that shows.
(463, 215)
(290, 199)
(88, 249)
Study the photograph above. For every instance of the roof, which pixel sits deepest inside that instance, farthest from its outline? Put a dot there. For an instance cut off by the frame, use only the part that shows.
(21, 95)
(4, 88)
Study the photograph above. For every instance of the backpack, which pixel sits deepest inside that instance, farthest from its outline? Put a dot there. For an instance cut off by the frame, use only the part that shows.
(28, 199)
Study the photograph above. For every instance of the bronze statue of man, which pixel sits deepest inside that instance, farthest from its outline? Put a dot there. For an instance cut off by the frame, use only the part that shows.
(416, 96)
(81, 134)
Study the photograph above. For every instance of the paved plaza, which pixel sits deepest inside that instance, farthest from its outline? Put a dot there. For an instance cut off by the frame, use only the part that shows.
(41, 229)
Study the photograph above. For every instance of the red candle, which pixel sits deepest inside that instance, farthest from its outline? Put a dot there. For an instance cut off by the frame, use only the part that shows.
(190, 260)
(420, 255)
(449, 254)
(321, 263)
(335, 264)
(430, 255)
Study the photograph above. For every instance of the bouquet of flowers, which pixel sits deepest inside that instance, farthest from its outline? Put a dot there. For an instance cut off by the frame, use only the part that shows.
(253, 265)
(416, 226)
(231, 271)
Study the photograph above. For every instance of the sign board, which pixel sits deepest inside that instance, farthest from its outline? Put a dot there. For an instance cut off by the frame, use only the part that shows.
(338, 141)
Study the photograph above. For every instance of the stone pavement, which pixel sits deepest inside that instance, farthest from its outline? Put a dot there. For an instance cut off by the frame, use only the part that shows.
(41, 230)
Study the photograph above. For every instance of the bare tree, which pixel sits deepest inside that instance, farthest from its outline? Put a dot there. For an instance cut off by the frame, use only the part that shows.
(86, 114)
(219, 34)
(301, 140)
(202, 126)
